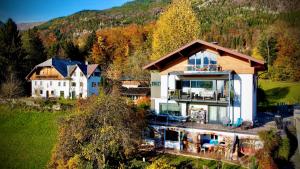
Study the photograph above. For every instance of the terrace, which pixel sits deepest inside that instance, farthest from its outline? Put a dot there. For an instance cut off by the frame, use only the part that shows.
(187, 122)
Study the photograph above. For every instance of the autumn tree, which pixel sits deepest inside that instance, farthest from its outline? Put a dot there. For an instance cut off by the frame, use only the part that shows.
(103, 133)
(175, 27)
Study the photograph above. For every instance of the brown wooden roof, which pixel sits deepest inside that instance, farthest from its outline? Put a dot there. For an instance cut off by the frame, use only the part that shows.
(196, 46)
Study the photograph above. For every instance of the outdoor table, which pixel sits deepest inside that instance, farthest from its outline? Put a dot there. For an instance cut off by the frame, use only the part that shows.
(208, 146)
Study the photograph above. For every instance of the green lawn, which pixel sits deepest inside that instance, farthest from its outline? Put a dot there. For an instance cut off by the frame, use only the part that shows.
(188, 162)
(277, 92)
(26, 137)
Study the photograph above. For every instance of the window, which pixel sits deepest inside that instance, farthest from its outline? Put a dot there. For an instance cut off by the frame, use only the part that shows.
(64, 83)
(62, 94)
(50, 83)
(58, 83)
(201, 60)
(94, 84)
(52, 92)
(171, 135)
(81, 84)
(80, 95)
(41, 83)
(73, 84)
(41, 91)
(155, 83)
(201, 84)
(97, 74)
(216, 114)
(170, 108)
(81, 74)
(35, 82)
(186, 83)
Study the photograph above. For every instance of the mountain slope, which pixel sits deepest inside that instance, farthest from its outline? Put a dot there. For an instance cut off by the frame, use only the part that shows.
(139, 11)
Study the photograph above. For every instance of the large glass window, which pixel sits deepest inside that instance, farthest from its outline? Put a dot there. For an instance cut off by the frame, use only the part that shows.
(202, 84)
(201, 60)
(186, 83)
(216, 114)
(170, 108)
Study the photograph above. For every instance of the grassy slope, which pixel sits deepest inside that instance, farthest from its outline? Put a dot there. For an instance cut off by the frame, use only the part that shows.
(27, 138)
(188, 162)
(276, 92)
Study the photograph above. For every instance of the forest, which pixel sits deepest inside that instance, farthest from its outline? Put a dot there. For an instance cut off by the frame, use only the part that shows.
(123, 39)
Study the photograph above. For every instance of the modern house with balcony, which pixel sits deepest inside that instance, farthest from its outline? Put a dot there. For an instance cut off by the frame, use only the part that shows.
(64, 78)
(202, 92)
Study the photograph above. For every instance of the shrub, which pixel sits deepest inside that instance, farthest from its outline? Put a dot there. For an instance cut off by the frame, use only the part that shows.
(160, 164)
(284, 149)
(105, 131)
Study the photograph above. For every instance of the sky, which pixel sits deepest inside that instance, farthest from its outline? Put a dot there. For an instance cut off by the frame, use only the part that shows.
(43, 10)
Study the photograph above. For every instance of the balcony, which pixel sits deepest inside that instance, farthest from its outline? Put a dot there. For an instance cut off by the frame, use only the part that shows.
(188, 122)
(203, 96)
(46, 76)
(204, 68)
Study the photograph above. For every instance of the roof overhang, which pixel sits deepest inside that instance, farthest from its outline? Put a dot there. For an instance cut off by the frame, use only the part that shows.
(197, 46)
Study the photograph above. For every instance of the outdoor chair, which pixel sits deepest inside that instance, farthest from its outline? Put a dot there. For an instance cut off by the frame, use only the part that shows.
(238, 123)
(202, 149)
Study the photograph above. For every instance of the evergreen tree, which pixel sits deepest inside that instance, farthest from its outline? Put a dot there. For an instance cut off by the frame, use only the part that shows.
(176, 27)
(72, 51)
(11, 53)
(267, 48)
(34, 49)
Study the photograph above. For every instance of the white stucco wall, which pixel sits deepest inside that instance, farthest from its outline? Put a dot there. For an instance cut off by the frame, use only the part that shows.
(78, 77)
(50, 85)
(66, 86)
(244, 102)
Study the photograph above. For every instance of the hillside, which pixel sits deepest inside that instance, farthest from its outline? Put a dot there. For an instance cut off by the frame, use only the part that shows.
(29, 25)
(139, 11)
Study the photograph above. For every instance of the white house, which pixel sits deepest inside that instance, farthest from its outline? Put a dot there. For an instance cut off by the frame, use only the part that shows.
(64, 78)
(199, 90)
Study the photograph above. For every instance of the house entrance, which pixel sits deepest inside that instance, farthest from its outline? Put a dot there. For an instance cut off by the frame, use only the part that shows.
(73, 95)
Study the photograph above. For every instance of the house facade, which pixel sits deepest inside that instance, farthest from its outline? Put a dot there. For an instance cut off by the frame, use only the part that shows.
(200, 88)
(64, 78)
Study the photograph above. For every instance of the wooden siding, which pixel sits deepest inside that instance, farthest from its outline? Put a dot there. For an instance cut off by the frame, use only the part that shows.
(227, 62)
(237, 65)
(46, 73)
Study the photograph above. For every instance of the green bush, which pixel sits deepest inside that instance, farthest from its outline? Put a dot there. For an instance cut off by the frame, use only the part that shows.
(284, 149)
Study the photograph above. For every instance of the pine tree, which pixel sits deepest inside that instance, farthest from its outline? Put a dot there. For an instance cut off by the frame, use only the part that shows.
(34, 49)
(176, 27)
(11, 52)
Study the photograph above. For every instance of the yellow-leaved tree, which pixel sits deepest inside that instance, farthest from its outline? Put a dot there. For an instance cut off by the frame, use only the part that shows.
(177, 26)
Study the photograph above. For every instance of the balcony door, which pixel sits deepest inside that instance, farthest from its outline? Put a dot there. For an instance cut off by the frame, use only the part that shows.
(216, 114)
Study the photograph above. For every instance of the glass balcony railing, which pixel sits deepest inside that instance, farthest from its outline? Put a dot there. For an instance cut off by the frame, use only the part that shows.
(199, 96)
(211, 67)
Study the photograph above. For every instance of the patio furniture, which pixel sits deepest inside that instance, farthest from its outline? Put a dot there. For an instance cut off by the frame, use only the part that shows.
(246, 125)
(208, 146)
(207, 94)
(226, 121)
(214, 142)
(238, 122)
(202, 149)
